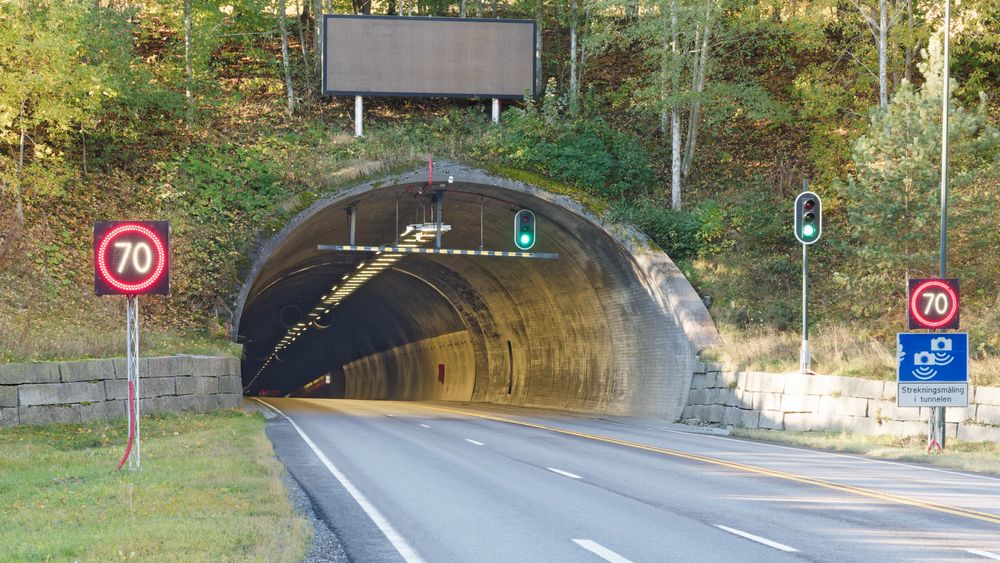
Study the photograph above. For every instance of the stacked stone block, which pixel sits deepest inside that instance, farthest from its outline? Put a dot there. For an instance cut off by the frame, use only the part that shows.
(79, 391)
(797, 401)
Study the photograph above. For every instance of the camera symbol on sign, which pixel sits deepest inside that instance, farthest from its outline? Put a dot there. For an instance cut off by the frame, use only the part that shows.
(941, 344)
(924, 359)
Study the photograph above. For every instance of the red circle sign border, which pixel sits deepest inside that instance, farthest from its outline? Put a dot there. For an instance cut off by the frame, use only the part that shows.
(915, 310)
(161, 259)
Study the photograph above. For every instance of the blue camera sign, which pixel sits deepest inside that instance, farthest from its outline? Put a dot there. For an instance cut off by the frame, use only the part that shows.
(933, 358)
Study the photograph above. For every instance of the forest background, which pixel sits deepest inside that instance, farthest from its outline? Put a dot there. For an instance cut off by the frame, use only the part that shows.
(696, 120)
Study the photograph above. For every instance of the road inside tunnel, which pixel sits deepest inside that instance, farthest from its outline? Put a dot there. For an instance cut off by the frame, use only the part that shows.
(611, 326)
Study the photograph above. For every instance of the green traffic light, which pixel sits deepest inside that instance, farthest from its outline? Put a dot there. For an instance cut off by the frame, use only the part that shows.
(808, 231)
(525, 239)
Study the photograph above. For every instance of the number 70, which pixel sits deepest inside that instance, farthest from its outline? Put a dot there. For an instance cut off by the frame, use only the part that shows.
(139, 264)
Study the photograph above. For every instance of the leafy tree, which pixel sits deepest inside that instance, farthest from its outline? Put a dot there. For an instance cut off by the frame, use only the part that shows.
(894, 189)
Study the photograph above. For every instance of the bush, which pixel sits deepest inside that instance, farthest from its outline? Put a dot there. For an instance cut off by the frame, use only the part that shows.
(585, 153)
(678, 233)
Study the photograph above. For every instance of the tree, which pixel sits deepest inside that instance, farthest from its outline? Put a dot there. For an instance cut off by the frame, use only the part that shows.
(894, 190)
(286, 64)
(48, 88)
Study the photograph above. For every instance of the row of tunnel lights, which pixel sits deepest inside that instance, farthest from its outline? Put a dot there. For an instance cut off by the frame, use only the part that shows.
(413, 237)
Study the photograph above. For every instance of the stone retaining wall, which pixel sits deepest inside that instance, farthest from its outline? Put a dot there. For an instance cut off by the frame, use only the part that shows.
(69, 392)
(797, 401)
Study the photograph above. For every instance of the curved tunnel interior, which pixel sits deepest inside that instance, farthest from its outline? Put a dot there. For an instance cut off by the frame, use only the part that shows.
(595, 330)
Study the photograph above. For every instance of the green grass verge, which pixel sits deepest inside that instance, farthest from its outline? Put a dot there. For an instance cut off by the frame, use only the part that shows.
(209, 490)
(980, 457)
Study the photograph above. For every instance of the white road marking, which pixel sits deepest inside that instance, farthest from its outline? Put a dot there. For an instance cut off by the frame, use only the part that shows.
(402, 546)
(564, 473)
(601, 551)
(474, 442)
(390, 415)
(985, 554)
(425, 426)
(757, 539)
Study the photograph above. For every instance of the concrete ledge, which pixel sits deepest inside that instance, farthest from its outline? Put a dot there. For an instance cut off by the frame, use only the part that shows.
(85, 390)
(806, 402)
(16, 374)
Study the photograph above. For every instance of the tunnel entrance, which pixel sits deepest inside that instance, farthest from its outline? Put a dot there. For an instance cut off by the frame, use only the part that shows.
(611, 326)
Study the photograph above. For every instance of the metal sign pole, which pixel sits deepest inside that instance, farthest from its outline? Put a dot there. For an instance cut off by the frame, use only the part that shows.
(944, 185)
(132, 368)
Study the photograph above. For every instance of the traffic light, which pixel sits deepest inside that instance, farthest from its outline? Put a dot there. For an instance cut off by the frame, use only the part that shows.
(808, 217)
(524, 229)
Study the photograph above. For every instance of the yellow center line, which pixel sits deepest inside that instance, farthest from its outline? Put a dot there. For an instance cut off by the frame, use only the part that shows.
(887, 497)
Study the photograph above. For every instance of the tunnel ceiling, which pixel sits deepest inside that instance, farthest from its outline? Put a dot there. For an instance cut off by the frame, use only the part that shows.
(610, 326)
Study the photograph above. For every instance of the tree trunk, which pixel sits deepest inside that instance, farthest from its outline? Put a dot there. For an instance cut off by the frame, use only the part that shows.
(573, 92)
(675, 114)
(302, 36)
(318, 39)
(583, 50)
(494, 8)
(883, 40)
(18, 187)
(539, 75)
(908, 52)
(461, 10)
(694, 118)
(188, 72)
(284, 56)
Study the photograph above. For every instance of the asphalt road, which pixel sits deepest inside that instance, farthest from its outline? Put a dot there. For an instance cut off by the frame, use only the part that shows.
(460, 482)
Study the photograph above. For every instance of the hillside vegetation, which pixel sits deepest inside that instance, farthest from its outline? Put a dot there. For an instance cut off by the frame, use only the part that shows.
(698, 121)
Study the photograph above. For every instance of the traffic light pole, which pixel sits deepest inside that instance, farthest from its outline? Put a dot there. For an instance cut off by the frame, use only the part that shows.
(805, 356)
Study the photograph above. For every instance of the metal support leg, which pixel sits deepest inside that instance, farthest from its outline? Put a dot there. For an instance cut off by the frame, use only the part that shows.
(352, 214)
(496, 110)
(358, 116)
(439, 199)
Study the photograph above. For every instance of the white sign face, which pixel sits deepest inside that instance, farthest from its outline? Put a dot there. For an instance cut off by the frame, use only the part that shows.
(932, 395)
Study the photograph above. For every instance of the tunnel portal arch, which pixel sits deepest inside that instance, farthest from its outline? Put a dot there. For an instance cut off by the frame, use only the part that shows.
(611, 327)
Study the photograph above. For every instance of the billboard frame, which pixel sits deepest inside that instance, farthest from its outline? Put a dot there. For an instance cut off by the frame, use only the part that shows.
(480, 96)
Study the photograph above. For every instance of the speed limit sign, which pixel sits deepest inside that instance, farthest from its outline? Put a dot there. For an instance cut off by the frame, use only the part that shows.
(933, 303)
(131, 257)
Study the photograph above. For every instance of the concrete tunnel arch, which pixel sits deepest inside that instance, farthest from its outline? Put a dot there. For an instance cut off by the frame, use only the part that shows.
(611, 327)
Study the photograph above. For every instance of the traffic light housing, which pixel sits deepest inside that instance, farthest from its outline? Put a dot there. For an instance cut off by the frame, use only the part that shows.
(524, 229)
(808, 217)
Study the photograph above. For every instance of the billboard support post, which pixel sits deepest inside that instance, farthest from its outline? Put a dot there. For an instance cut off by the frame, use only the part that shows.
(358, 115)
(496, 110)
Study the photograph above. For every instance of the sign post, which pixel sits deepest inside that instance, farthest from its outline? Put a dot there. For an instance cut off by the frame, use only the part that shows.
(131, 258)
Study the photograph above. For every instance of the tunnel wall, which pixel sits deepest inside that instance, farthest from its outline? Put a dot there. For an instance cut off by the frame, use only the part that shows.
(414, 371)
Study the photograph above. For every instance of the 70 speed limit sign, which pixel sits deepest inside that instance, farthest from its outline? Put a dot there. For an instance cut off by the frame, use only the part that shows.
(933, 303)
(131, 258)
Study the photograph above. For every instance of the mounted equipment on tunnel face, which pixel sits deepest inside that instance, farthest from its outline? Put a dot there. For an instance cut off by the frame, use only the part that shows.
(524, 229)
(131, 258)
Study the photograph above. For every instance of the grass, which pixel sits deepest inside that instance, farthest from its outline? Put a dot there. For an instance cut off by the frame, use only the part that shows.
(837, 349)
(210, 490)
(979, 457)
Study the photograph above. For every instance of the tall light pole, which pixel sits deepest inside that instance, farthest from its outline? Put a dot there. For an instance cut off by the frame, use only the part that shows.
(943, 267)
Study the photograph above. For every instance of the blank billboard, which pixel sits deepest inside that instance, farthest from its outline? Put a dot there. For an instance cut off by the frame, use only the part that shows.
(419, 56)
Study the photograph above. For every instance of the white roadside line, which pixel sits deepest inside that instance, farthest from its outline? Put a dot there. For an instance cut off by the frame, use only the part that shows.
(425, 426)
(402, 546)
(601, 551)
(985, 554)
(474, 442)
(564, 473)
(757, 539)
